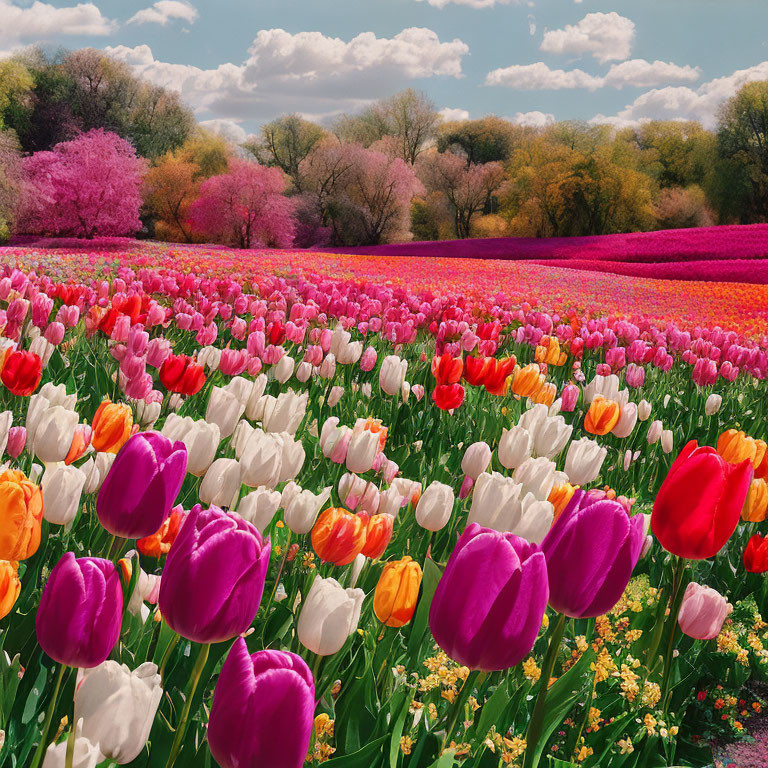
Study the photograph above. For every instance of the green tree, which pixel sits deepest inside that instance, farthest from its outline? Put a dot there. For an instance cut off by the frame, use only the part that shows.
(16, 85)
(487, 140)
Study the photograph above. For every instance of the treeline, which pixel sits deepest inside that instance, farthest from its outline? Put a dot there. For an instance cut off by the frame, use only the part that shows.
(394, 171)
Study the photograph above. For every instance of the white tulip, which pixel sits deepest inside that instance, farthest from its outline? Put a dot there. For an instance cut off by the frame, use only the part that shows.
(392, 374)
(390, 501)
(435, 506)
(362, 449)
(329, 615)
(146, 413)
(405, 391)
(654, 432)
(534, 519)
(210, 357)
(667, 440)
(712, 406)
(224, 410)
(96, 470)
(240, 437)
(494, 501)
(644, 410)
(476, 459)
(241, 388)
(551, 436)
(627, 421)
(304, 372)
(584, 460)
(357, 567)
(327, 369)
(284, 413)
(259, 385)
(334, 396)
(515, 446)
(283, 370)
(351, 489)
(53, 433)
(6, 420)
(118, 707)
(303, 507)
(605, 386)
(43, 349)
(62, 487)
(537, 476)
(533, 418)
(201, 439)
(221, 483)
(86, 754)
(292, 455)
(259, 507)
(261, 461)
(334, 440)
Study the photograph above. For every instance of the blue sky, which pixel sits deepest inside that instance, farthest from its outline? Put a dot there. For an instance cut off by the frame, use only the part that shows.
(241, 62)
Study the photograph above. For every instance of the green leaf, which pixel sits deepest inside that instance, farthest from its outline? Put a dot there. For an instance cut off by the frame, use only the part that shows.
(430, 579)
(363, 758)
(446, 760)
(492, 710)
(562, 695)
(397, 728)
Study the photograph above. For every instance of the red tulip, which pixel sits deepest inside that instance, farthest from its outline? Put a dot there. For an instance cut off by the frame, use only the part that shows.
(179, 374)
(447, 369)
(448, 396)
(22, 372)
(497, 373)
(756, 554)
(474, 370)
(699, 503)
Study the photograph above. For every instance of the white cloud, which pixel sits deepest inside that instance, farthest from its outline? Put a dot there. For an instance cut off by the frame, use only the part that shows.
(305, 72)
(637, 72)
(449, 114)
(41, 21)
(607, 36)
(539, 77)
(470, 3)
(228, 129)
(531, 24)
(683, 103)
(534, 119)
(645, 74)
(164, 11)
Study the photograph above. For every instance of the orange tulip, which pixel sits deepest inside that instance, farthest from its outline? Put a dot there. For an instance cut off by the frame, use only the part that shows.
(497, 375)
(755, 507)
(378, 535)
(397, 592)
(602, 416)
(559, 497)
(761, 470)
(159, 543)
(80, 442)
(111, 426)
(527, 381)
(735, 446)
(546, 394)
(338, 536)
(10, 586)
(21, 514)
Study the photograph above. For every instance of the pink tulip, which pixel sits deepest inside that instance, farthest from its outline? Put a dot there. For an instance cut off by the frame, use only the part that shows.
(703, 612)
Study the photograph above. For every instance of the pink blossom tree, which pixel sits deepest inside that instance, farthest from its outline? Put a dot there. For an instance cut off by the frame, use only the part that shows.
(245, 207)
(85, 187)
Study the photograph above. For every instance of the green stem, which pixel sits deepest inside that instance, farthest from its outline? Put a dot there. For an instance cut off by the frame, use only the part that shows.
(70, 746)
(172, 643)
(181, 729)
(43, 745)
(475, 676)
(536, 725)
(677, 601)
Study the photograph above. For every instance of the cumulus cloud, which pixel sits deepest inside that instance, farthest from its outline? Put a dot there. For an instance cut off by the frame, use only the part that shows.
(164, 11)
(539, 77)
(637, 72)
(534, 119)
(453, 115)
(231, 130)
(684, 103)
(41, 21)
(305, 72)
(470, 3)
(606, 36)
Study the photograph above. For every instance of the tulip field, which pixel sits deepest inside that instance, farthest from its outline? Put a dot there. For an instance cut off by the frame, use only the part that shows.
(271, 509)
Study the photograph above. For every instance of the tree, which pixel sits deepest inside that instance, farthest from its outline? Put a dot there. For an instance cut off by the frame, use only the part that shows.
(678, 208)
(466, 188)
(208, 151)
(11, 183)
(742, 140)
(285, 143)
(85, 187)
(170, 188)
(245, 207)
(15, 87)
(487, 140)
(409, 116)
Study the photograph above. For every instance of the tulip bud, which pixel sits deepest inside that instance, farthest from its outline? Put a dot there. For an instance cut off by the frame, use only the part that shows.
(712, 405)
(477, 458)
(263, 708)
(259, 507)
(221, 483)
(117, 707)
(397, 592)
(435, 506)
(20, 524)
(334, 396)
(515, 446)
(62, 486)
(329, 615)
(627, 420)
(654, 432)
(283, 370)
(392, 374)
(85, 753)
(703, 612)
(643, 410)
(667, 439)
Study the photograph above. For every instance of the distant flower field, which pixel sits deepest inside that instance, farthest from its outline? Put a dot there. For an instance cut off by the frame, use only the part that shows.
(276, 508)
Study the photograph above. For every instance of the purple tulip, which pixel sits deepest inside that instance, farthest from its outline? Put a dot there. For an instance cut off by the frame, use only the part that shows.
(81, 610)
(490, 602)
(141, 487)
(262, 710)
(591, 551)
(214, 576)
